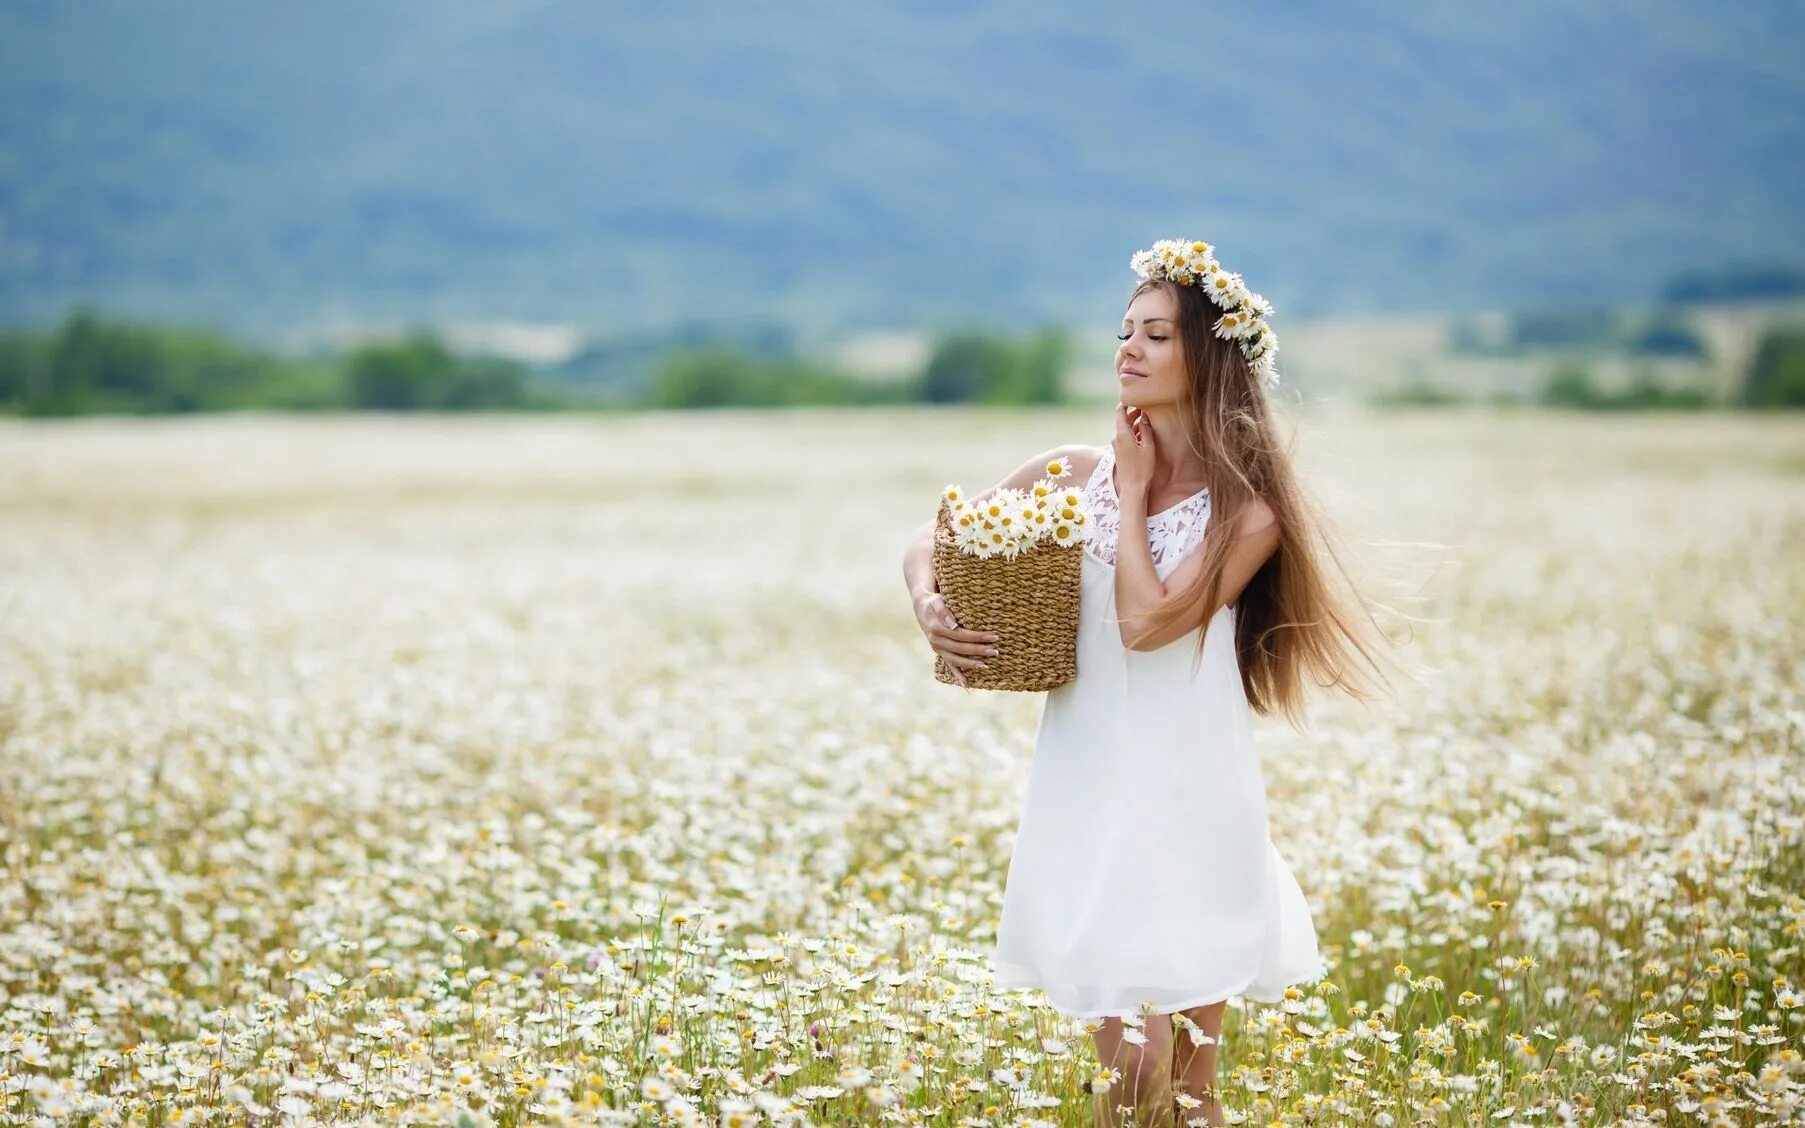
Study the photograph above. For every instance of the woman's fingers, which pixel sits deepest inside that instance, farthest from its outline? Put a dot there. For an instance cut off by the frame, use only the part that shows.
(960, 648)
(1128, 423)
(954, 646)
(952, 659)
(964, 638)
(964, 634)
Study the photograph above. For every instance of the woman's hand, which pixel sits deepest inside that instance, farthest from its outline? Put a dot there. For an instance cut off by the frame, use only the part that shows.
(958, 646)
(1134, 451)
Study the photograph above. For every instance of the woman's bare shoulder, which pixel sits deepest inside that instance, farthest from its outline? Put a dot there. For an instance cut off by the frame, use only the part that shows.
(1257, 517)
(1085, 457)
(1081, 457)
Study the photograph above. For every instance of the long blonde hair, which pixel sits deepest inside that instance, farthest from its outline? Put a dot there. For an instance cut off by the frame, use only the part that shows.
(1290, 616)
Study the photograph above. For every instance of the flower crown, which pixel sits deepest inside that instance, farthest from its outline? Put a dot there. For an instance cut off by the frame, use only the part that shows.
(1191, 262)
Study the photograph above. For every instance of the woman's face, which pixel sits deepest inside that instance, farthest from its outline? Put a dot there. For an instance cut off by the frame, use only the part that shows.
(1149, 364)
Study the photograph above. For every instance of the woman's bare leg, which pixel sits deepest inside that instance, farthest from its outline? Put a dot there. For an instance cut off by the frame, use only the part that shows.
(1146, 1072)
(1194, 1067)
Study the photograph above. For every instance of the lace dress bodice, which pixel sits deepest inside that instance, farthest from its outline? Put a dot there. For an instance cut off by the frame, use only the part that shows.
(1171, 533)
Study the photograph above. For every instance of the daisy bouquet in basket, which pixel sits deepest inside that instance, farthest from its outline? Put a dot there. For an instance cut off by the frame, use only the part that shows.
(1010, 564)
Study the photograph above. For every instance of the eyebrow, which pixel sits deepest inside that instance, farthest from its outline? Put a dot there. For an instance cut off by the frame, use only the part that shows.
(1148, 321)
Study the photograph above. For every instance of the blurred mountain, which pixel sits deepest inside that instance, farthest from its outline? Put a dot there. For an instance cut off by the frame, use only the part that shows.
(624, 167)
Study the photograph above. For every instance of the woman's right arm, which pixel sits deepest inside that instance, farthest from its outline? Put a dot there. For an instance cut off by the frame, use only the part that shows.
(918, 563)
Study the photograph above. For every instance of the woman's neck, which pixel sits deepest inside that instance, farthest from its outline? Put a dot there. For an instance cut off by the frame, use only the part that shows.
(1174, 463)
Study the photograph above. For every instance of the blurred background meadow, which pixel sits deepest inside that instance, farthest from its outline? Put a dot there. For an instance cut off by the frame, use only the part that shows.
(455, 461)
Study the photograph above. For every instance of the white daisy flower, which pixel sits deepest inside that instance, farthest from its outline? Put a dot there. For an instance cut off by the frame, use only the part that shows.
(852, 1076)
(910, 1072)
(1225, 288)
(737, 1113)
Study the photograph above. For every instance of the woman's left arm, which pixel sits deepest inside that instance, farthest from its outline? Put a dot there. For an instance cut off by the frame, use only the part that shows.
(1140, 593)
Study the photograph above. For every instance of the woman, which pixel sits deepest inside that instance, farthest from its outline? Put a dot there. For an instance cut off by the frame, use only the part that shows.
(1143, 885)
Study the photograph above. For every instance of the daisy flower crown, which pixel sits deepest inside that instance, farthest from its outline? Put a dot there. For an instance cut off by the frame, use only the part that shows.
(1192, 262)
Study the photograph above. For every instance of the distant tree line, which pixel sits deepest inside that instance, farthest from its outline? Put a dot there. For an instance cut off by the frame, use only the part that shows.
(1571, 385)
(1774, 378)
(90, 364)
(720, 376)
(965, 367)
(1662, 332)
(420, 373)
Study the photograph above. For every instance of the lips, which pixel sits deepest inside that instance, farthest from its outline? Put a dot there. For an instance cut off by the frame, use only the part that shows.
(1132, 372)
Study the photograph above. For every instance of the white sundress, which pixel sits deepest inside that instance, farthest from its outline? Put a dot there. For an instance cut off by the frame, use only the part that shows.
(1143, 879)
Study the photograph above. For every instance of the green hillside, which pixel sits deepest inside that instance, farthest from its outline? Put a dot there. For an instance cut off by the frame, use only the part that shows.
(618, 167)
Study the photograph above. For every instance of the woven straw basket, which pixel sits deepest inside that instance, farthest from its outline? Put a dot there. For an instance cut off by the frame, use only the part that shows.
(1030, 603)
